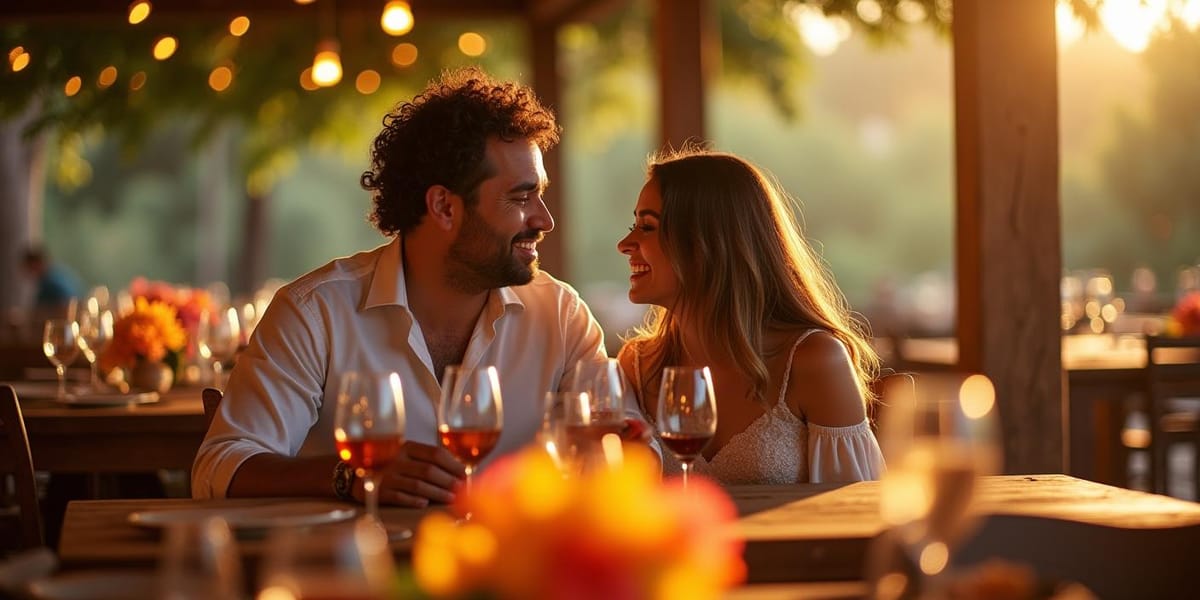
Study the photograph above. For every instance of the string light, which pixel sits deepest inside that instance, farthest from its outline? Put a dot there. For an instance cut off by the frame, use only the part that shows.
(327, 64)
(137, 81)
(138, 11)
(397, 18)
(239, 26)
(472, 44)
(73, 86)
(404, 54)
(303, 2)
(108, 76)
(165, 47)
(367, 82)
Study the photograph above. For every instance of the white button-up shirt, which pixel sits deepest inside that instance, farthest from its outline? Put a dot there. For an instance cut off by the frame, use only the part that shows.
(353, 315)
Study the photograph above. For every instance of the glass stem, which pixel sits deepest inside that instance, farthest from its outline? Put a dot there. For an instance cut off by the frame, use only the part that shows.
(371, 489)
(61, 371)
(95, 375)
(687, 467)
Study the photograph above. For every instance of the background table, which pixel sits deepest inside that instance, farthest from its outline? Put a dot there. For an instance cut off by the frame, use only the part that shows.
(115, 439)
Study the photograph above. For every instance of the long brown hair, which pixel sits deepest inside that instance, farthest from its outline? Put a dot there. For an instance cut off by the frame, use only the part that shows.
(743, 269)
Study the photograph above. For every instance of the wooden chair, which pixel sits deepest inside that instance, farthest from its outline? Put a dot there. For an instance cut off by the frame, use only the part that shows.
(211, 397)
(1172, 373)
(15, 460)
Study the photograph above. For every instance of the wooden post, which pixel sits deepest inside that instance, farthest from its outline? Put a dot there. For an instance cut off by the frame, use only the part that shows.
(1008, 240)
(543, 48)
(681, 38)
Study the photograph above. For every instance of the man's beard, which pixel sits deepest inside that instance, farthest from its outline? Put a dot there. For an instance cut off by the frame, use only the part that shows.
(481, 259)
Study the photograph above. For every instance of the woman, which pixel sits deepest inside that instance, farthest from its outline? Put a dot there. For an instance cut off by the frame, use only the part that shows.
(736, 288)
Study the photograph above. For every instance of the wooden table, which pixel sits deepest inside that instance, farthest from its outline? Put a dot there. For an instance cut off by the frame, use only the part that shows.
(117, 439)
(1063, 526)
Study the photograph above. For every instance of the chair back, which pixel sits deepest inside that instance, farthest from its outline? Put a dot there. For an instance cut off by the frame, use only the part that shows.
(1172, 373)
(16, 460)
(211, 397)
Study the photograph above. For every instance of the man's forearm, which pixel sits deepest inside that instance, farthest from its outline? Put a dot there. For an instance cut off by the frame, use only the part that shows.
(275, 475)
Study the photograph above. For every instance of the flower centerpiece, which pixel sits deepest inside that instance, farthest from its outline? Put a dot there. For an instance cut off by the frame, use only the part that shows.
(142, 340)
(613, 533)
(1185, 317)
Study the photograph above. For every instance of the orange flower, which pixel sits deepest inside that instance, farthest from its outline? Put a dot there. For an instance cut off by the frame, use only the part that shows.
(617, 533)
(149, 332)
(1186, 314)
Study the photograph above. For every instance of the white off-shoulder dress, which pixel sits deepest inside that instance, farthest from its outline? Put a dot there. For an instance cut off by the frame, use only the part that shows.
(780, 447)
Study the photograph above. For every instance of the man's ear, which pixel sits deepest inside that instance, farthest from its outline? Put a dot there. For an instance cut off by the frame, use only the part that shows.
(443, 206)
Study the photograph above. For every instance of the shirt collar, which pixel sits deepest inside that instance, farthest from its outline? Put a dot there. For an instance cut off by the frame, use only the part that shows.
(388, 287)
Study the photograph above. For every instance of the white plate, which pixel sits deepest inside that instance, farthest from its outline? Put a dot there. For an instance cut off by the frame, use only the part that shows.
(96, 585)
(291, 514)
(87, 398)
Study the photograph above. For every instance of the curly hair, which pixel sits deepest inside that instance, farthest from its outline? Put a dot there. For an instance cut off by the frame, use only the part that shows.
(439, 138)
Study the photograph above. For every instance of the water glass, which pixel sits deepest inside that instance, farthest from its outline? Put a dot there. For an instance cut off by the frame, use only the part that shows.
(937, 441)
(60, 344)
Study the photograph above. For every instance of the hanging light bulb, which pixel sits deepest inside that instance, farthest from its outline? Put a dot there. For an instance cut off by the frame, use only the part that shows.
(327, 65)
(397, 18)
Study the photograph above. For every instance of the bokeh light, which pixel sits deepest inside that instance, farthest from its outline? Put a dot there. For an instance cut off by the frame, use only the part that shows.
(138, 11)
(306, 80)
(367, 82)
(220, 78)
(108, 76)
(472, 44)
(239, 26)
(404, 55)
(165, 47)
(73, 86)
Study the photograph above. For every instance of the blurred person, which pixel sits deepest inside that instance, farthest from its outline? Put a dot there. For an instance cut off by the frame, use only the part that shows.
(457, 182)
(56, 285)
(735, 287)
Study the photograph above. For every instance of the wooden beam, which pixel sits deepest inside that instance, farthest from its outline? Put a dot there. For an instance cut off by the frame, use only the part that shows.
(682, 40)
(543, 49)
(1008, 246)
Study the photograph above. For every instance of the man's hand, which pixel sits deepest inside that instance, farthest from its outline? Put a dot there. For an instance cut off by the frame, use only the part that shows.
(422, 473)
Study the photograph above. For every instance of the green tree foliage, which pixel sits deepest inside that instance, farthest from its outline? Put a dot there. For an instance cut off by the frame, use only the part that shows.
(1153, 164)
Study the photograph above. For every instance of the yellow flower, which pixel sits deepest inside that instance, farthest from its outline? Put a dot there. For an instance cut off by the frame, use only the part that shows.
(150, 332)
(613, 533)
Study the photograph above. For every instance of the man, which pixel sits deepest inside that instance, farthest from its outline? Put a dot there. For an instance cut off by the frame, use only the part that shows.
(457, 179)
(57, 287)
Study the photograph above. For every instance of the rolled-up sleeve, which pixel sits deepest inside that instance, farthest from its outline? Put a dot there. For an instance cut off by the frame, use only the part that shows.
(273, 396)
(838, 454)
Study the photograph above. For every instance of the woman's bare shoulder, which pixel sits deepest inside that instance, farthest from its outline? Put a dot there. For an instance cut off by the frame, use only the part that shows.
(823, 383)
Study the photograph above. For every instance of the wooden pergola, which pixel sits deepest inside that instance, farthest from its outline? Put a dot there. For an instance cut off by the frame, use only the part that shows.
(1008, 248)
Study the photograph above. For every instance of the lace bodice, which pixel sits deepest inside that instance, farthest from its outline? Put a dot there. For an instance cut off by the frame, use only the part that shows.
(780, 447)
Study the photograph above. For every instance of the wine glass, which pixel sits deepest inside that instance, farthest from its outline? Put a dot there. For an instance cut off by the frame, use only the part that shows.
(606, 390)
(95, 332)
(200, 560)
(343, 560)
(60, 345)
(470, 414)
(220, 340)
(937, 444)
(368, 429)
(687, 413)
